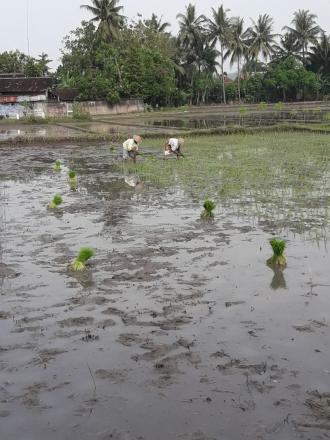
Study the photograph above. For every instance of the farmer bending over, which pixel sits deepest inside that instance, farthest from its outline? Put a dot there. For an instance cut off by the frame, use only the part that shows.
(131, 147)
(174, 145)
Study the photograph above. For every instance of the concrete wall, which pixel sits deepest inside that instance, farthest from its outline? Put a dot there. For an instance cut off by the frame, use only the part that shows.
(12, 111)
(102, 108)
(65, 109)
(94, 108)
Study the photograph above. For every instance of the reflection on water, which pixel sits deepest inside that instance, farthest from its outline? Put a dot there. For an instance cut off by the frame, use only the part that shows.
(278, 281)
(224, 120)
(35, 131)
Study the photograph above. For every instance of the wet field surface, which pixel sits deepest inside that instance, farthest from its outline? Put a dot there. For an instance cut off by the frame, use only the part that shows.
(14, 131)
(178, 329)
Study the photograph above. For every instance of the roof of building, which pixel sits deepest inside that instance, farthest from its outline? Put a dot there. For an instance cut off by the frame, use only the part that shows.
(25, 85)
(228, 80)
(66, 93)
(12, 75)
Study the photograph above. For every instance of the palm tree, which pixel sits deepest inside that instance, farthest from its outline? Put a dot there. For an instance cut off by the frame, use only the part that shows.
(252, 65)
(43, 61)
(190, 33)
(305, 30)
(237, 48)
(190, 26)
(107, 15)
(319, 56)
(203, 61)
(261, 37)
(288, 46)
(156, 23)
(219, 31)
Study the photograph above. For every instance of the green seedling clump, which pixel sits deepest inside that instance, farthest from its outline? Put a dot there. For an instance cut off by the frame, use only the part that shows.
(278, 257)
(73, 180)
(79, 263)
(72, 175)
(209, 206)
(279, 106)
(57, 166)
(262, 106)
(56, 202)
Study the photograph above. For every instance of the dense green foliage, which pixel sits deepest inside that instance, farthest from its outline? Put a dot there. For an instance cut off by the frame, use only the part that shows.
(110, 58)
(136, 65)
(17, 62)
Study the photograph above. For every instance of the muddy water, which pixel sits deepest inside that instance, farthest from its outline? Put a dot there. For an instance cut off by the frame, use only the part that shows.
(113, 128)
(177, 330)
(9, 132)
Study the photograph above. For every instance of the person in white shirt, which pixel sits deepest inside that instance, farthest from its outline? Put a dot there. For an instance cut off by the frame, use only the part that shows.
(173, 145)
(131, 147)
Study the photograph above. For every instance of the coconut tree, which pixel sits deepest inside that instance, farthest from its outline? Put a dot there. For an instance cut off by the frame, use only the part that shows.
(305, 30)
(261, 37)
(190, 26)
(205, 63)
(319, 56)
(252, 65)
(219, 31)
(190, 33)
(43, 62)
(156, 23)
(107, 15)
(289, 46)
(237, 48)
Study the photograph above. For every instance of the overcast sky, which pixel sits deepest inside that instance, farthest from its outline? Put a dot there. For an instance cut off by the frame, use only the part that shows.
(51, 20)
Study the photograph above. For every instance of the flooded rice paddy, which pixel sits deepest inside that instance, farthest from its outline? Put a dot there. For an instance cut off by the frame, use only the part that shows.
(35, 131)
(178, 329)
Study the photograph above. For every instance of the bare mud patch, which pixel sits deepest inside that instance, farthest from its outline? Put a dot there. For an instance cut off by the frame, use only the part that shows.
(76, 322)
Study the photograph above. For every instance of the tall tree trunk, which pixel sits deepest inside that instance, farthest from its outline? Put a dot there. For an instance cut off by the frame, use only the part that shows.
(239, 79)
(223, 77)
(118, 71)
(192, 89)
(304, 63)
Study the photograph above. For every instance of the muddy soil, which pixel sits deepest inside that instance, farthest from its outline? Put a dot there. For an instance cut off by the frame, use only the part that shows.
(177, 330)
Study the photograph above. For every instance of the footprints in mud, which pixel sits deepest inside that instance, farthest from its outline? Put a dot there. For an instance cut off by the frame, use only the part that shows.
(8, 272)
(76, 322)
(45, 356)
(164, 365)
(311, 326)
(115, 376)
(319, 410)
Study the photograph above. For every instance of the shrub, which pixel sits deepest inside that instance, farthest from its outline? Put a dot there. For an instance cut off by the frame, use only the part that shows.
(79, 113)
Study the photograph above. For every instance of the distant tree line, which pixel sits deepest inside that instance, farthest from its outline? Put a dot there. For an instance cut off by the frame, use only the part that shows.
(18, 62)
(110, 57)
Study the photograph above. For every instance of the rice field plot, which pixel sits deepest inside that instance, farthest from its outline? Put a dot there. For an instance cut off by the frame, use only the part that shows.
(127, 313)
